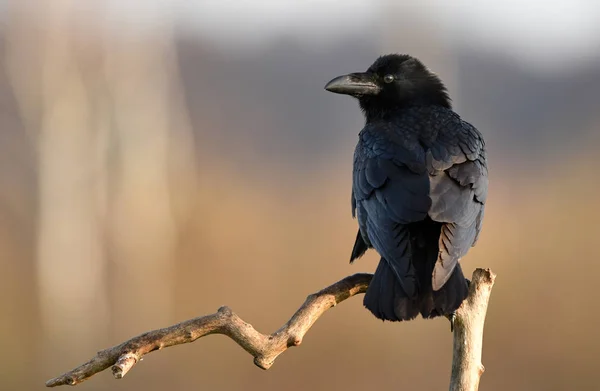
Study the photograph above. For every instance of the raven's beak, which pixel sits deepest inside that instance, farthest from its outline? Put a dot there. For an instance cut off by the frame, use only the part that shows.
(355, 84)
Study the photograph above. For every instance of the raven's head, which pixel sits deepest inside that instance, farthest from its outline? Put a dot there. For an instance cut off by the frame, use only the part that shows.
(393, 81)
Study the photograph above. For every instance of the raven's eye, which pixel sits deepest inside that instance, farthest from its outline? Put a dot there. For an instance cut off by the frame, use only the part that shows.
(388, 78)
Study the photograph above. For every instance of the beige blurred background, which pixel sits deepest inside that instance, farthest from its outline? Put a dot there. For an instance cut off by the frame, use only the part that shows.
(159, 159)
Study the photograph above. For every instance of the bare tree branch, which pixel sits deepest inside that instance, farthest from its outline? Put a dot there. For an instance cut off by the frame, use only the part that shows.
(264, 348)
(468, 334)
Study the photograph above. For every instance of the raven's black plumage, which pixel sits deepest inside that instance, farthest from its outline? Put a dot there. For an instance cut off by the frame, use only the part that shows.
(419, 188)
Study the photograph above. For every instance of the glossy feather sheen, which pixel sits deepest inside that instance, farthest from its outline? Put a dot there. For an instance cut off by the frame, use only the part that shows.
(419, 190)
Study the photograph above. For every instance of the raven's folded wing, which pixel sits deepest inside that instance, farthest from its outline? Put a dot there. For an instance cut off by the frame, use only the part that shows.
(390, 189)
(459, 182)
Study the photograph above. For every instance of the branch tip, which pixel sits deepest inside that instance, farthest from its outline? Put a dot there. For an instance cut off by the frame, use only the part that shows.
(124, 364)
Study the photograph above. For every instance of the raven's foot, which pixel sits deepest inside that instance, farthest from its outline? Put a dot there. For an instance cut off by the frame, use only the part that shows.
(451, 317)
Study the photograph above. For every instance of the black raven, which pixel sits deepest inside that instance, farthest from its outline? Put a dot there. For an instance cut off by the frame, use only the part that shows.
(418, 189)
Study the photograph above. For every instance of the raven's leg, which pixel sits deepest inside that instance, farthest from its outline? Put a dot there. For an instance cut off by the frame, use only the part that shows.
(451, 317)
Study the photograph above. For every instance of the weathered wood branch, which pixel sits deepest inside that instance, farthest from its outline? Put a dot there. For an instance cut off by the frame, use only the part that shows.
(264, 348)
(468, 334)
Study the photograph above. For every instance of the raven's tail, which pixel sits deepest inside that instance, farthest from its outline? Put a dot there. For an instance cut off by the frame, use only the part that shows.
(386, 299)
(446, 300)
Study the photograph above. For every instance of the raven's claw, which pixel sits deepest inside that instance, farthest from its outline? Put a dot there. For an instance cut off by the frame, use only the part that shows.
(451, 318)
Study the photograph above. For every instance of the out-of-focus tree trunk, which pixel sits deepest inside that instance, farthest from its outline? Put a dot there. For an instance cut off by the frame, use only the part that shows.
(156, 171)
(142, 224)
(60, 110)
(101, 99)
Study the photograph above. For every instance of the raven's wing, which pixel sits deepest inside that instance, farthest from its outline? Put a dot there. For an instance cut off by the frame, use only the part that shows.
(457, 166)
(390, 189)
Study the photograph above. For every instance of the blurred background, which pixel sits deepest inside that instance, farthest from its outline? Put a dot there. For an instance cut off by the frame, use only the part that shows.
(159, 159)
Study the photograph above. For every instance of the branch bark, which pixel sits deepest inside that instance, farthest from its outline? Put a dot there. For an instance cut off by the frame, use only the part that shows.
(468, 334)
(264, 348)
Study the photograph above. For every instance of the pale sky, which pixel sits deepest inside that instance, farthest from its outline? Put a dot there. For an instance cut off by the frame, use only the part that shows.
(537, 32)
